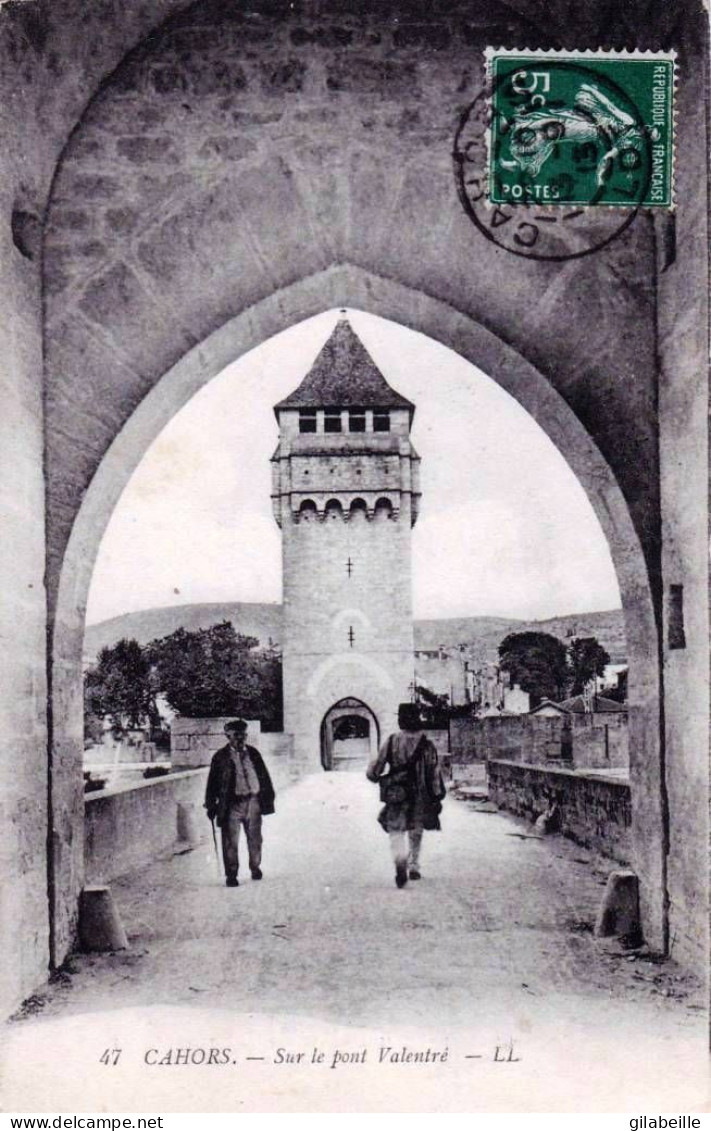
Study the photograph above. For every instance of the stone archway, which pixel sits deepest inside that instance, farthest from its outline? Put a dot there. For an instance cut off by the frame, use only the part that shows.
(247, 167)
(351, 286)
(349, 735)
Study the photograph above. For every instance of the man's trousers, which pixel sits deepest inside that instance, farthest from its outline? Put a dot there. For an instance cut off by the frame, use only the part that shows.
(243, 812)
(405, 848)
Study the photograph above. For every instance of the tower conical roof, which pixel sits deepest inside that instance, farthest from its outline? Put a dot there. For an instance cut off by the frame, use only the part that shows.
(344, 375)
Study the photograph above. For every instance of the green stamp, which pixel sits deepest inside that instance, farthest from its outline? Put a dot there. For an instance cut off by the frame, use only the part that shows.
(590, 128)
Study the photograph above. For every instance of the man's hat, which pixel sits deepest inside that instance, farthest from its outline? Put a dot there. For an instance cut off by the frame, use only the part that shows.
(239, 726)
(408, 717)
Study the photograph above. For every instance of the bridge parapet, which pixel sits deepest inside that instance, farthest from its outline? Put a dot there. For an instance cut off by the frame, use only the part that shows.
(592, 808)
(127, 827)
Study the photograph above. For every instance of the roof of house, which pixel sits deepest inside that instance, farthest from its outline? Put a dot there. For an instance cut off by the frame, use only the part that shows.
(576, 705)
(600, 704)
(548, 703)
(344, 375)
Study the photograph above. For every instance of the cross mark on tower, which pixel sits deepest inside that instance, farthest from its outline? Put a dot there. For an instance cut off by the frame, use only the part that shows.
(351, 635)
(349, 567)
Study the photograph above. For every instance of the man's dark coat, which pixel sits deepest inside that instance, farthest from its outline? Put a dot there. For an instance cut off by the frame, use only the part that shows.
(220, 791)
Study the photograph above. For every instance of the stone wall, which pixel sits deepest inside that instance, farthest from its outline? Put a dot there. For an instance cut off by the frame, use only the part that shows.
(517, 738)
(25, 169)
(105, 754)
(595, 741)
(127, 827)
(601, 741)
(683, 314)
(194, 741)
(440, 738)
(594, 810)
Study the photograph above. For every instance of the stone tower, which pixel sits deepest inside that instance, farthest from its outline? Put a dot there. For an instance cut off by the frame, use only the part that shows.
(345, 494)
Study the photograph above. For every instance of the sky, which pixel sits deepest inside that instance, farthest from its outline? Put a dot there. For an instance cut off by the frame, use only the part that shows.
(505, 529)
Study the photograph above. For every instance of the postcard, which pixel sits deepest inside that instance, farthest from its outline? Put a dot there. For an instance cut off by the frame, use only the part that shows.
(355, 685)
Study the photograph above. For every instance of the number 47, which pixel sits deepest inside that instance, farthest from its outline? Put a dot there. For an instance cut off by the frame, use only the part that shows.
(110, 1056)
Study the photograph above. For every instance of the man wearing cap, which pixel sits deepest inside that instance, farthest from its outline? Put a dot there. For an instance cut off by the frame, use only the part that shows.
(239, 792)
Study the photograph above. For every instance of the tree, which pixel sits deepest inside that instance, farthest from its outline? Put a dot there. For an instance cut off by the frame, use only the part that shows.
(434, 708)
(586, 659)
(119, 687)
(537, 662)
(215, 672)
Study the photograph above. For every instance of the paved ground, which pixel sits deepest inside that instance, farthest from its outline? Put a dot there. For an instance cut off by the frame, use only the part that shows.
(493, 946)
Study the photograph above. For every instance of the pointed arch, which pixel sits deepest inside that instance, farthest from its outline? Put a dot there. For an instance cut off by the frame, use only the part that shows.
(347, 285)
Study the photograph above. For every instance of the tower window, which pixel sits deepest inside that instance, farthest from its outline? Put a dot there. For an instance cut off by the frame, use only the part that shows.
(381, 421)
(356, 420)
(307, 420)
(332, 420)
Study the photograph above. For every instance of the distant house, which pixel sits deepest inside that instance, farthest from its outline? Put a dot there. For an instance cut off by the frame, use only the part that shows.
(516, 701)
(550, 710)
(610, 679)
(596, 704)
(578, 705)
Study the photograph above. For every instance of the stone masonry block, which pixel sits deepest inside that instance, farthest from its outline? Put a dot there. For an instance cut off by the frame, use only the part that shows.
(283, 78)
(121, 221)
(322, 36)
(217, 78)
(187, 824)
(362, 75)
(619, 912)
(168, 79)
(252, 35)
(70, 220)
(87, 187)
(81, 147)
(248, 118)
(227, 148)
(116, 289)
(147, 150)
(431, 37)
(130, 77)
(100, 926)
(196, 39)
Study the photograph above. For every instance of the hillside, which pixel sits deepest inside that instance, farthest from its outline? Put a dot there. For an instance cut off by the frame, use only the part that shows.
(264, 622)
(251, 619)
(488, 632)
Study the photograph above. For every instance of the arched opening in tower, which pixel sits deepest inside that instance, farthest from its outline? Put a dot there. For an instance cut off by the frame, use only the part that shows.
(349, 735)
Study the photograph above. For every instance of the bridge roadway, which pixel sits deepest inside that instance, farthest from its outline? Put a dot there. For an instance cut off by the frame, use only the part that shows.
(490, 956)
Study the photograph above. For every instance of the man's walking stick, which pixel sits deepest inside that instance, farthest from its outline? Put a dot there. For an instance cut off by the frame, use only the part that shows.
(217, 851)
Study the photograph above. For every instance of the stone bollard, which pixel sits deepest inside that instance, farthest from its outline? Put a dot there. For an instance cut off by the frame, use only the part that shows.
(619, 911)
(188, 834)
(100, 926)
(548, 822)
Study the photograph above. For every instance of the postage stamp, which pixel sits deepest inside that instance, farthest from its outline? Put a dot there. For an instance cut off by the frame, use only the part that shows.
(556, 157)
(590, 128)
